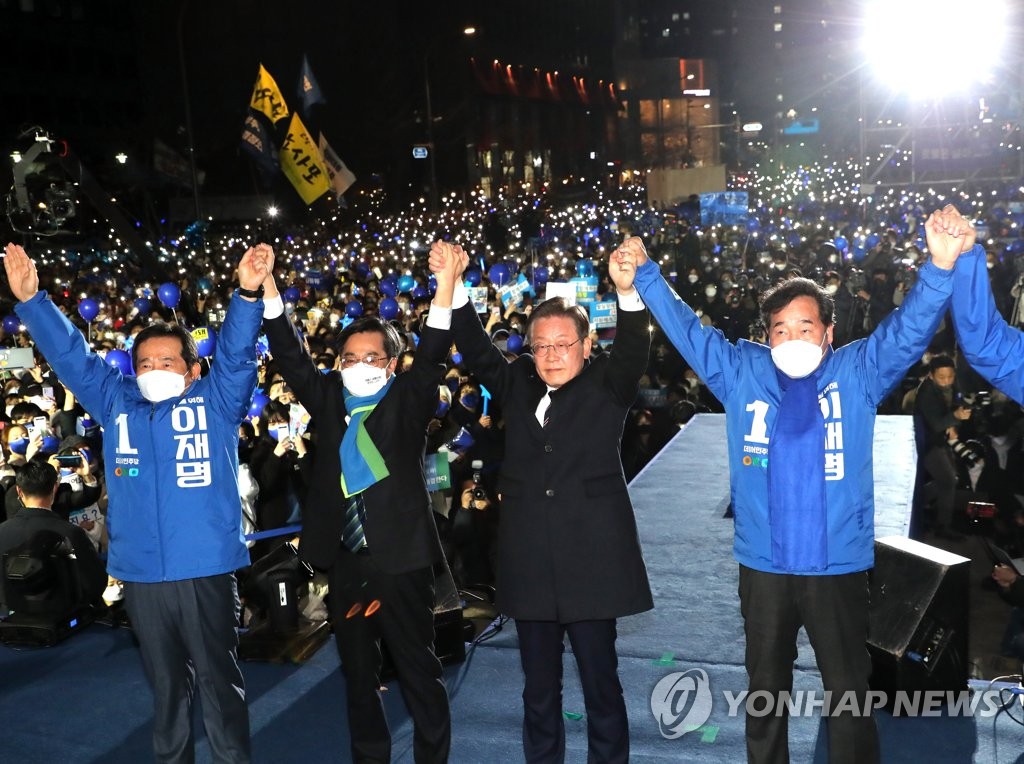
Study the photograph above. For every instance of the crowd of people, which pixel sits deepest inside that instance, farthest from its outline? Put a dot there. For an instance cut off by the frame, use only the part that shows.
(373, 347)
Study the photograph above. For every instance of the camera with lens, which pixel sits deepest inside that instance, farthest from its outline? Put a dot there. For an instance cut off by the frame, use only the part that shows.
(969, 453)
(478, 492)
(855, 281)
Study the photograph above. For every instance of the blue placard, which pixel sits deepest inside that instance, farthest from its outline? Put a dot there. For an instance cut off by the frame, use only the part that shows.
(586, 289)
(438, 472)
(603, 315)
(513, 293)
(725, 207)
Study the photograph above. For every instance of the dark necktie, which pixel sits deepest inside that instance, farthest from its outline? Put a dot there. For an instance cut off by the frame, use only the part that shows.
(547, 411)
(352, 536)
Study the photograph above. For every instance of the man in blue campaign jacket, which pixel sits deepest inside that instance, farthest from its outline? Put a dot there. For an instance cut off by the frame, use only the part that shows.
(992, 347)
(800, 422)
(174, 517)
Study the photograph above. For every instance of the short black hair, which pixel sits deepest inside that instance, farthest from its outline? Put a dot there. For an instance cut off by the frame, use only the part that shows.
(781, 295)
(37, 479)
(559, 307)
(25, 410)
(393, 343)
(940, 362)
(189, 351)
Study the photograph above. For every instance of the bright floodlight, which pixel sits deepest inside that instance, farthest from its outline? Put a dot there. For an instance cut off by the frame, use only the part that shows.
(931, 48)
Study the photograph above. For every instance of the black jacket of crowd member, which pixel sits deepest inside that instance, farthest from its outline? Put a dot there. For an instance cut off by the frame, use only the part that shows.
(933, 414)
(30, 520)
(282, 479)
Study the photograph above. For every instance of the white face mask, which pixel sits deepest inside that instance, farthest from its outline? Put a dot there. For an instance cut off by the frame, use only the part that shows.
(693, 278)
(832, 288)
(362, 379)
(160, 385)
(710, 291)
(797, 358)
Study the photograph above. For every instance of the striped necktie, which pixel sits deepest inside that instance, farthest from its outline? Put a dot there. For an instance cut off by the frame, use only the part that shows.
(353, 536)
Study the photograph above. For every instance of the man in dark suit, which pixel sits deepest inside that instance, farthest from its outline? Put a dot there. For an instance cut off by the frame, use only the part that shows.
(36, 486)
(368, 520)
(569, 558)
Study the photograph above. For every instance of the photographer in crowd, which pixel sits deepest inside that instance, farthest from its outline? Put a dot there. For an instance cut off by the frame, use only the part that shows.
(938, 415)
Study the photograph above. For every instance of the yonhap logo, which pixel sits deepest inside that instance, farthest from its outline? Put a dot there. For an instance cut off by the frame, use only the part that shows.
(681, 702)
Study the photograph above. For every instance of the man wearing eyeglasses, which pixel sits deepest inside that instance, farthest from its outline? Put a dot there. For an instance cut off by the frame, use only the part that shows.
(368, 522)
(569, 559)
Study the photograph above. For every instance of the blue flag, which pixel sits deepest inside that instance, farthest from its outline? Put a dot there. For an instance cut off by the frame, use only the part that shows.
(309, 90)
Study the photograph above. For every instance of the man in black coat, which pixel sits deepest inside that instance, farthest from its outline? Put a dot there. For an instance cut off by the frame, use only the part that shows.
(938, 415)
(569, 558)
(368, 520)
(36, 486)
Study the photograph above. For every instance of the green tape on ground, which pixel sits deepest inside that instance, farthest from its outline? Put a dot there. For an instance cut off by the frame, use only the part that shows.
(666, 659)
(708, 733)
(572, 715)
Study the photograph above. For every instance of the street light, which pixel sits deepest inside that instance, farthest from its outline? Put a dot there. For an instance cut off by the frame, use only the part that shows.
(468, 32)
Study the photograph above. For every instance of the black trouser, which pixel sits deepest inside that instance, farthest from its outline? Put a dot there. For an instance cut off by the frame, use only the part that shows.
(941, 466)
(593, 644)
(834, 611)
(187, 632)
(404, 620)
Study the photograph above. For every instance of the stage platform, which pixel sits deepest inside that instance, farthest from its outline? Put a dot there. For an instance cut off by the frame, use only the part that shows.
(86, 700)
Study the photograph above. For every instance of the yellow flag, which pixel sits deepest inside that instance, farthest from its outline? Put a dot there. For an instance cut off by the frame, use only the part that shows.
(267, 98)
(302, 164)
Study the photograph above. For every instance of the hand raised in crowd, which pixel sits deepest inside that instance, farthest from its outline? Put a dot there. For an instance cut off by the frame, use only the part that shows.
(284, 445)
(948, 234)
(254, 266)
(624, 261)
(21, 273)
(447, 265)
(445, 262)
(1004, 575)
(622, 268)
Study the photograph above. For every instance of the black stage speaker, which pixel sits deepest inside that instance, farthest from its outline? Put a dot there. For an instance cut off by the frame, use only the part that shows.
(917, 626)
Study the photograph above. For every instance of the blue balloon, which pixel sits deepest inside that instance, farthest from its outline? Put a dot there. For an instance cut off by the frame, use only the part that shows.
(353, 309)
(406, 284)
(88, 308)
(11, 324)
(473, 277)
(541, 274)
(169, 295)
(259, 400)
(872, 240)
(499, 274)
(388, 308)
(142, 304)
(859, 253)
(420, 291)
(292, 295)
(388, 288)
(120, 360)
(840, 243)
(204, 284)
(206, 340)
(514, 343)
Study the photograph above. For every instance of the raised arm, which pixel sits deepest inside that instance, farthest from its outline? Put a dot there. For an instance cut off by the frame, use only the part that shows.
(233, 371)
(901, 339)
(705, 349)
(631, 350)
(78, 367)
